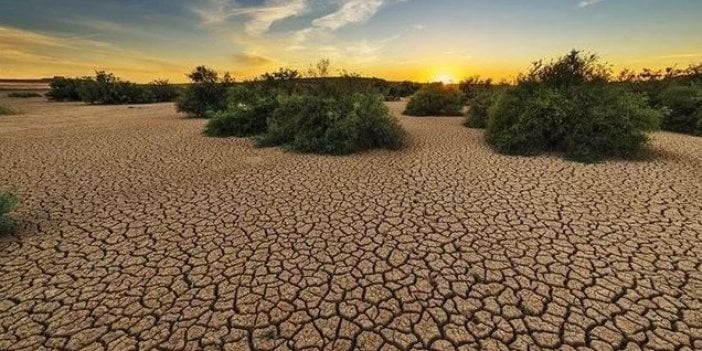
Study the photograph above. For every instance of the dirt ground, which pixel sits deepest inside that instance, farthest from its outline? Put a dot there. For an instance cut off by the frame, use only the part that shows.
(136, 231)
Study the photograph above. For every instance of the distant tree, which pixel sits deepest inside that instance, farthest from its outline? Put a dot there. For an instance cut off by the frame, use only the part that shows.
(320, 69)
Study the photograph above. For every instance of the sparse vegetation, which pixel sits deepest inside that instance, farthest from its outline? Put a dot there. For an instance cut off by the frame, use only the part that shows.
(569, 106)
(206, 94)
(23, 94)
(7, 203)
(333, 125)
(6, 110)
(436, 100)
(107, 89)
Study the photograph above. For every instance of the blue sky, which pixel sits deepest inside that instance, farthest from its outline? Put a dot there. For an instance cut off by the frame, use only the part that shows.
(395, 39)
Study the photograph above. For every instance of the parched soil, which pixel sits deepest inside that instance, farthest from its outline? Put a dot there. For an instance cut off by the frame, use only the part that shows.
(136, 231)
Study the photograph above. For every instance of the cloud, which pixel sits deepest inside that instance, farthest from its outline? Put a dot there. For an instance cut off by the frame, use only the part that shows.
(586, 3)
(251, 59)
(352, 11)
(259, 18)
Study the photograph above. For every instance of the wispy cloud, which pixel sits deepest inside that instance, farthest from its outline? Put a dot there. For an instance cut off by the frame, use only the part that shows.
(586, 3)
(351, 11)
(259, 19)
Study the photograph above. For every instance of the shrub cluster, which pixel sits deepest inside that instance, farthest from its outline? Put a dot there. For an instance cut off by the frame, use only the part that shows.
(7, 204)
(436, 100)
(206, 94)
(107, 89)
(23, 94)
(677, 91)
(397, 91)
(318, 115)
(333, 125)
(569, 106)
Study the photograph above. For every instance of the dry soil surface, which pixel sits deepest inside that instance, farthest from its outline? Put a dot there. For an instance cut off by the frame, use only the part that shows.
(137, 232)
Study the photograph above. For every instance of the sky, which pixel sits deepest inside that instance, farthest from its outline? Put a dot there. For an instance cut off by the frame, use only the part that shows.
(422, 40)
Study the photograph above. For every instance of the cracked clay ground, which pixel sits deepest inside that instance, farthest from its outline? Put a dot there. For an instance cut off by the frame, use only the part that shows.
(139, 233)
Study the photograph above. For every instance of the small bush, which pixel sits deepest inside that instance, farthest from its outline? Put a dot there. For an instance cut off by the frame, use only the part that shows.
(568, 106)
(207, 93)
(333, 125)
(435, 100)
(106, 89)
(246, 115)
(478, 108)
(23, 94)
(6, 110)
(684, 108)
(7, 204)
(65, 89)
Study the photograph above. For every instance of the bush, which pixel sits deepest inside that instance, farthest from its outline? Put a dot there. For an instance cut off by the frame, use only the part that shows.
(478, 108)
(247, 114)
(107, 89)
(162, 90)
(435, 100)
(7, 204)
(65, 89)
(333, 125)
(207, 93)
(684, 108)
(568, 106)
(23, 94)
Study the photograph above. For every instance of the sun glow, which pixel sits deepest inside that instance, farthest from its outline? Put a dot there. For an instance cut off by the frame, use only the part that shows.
(445, 78)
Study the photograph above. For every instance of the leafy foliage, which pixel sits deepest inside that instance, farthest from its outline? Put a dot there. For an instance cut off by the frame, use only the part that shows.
(568, 106)
(23, 94)
(207, 93)
(436, 100)
(478, 108)
(7, 203)
(247, 114)
(65, 89)
(333, 125)
(162, 90)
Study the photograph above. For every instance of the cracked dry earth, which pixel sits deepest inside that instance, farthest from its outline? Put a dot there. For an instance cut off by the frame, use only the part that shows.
(137, 232)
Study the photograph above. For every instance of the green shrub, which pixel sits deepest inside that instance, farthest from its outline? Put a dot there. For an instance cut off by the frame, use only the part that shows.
(207, 93)
(161, 90)
(23, 94)
(6, 110)
(65, 89)
(106, 89)
(7, 204)
(333, 125)
(478, 108)
(684, 107)
(246, 115)
(568, 106)
(435, 100)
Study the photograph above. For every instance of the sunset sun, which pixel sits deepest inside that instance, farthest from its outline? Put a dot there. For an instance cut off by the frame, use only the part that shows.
(445, 78)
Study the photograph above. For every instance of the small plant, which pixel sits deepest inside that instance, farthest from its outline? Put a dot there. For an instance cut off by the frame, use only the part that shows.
(23, 94)
(7, 203)
(569, 106)
(207, 93)
(333, 125)
(6, 110)
(436, 100)
(478, 108)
